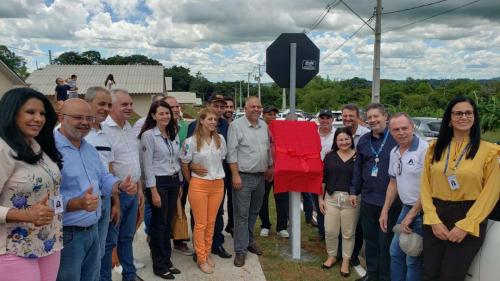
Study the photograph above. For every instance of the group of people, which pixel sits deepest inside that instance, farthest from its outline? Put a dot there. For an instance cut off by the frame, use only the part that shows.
(71, 193)
(420, 208)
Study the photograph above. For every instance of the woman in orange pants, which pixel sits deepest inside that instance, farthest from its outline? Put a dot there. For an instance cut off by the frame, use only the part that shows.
(205, 148)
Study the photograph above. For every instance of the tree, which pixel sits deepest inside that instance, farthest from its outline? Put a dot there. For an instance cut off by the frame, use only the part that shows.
(201, 85)
(71, 58)
(181, 79)
(14, 62)
(92, 57)
(133, 59)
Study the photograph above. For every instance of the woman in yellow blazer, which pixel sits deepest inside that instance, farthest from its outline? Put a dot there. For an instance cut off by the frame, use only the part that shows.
(460, 187)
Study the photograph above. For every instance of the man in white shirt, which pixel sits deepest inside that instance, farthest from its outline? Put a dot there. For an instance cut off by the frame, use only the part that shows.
(350, 119)
(99, 100)
(125, 147)
(405, 168)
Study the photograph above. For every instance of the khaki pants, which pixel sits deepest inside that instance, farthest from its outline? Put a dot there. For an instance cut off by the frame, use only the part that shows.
(340, 216)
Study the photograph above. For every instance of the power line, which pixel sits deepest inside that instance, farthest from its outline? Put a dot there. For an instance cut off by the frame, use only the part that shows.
(325, 12)
(413, 8)
(349, 38)
(354, 12)
(433, 16)
(29, 52)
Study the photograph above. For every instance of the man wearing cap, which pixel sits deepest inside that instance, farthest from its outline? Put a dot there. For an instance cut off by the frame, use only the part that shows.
(281, 199)
(217, 103)
(405, 167)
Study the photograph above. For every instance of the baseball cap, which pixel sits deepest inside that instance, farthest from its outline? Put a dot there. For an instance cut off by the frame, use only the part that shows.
(270, 108)
(216, 98)
(411, 244)
(325, 112)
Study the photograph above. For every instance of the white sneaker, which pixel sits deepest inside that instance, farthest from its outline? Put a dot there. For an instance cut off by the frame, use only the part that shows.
(118, 269)
(283, 234)
(264, 232)
(138, 264)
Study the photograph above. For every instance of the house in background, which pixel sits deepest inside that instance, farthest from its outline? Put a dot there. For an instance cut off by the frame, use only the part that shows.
(141, 81)
(9, 79)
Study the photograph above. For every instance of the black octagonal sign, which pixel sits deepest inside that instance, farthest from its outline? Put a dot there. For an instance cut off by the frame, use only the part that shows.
(278, 59)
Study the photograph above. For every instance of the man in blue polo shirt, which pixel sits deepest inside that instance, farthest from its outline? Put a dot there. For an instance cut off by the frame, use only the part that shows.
(83, 180)
(370, 178)
(405, 169)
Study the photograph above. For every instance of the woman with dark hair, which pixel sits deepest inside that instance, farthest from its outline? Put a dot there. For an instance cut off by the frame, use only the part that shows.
(334, 203)
(110, 82)
(30, 221)
(161, 170)
(460, 186)
(208, 149)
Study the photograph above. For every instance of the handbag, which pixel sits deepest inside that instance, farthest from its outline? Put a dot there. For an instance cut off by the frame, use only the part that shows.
(179, 224)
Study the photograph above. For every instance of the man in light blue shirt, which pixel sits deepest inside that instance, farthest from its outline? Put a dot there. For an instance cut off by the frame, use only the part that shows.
(84, 179)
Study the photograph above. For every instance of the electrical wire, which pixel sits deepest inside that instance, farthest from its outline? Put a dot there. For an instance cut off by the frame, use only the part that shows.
(325, 12)
(28, 52)
(354, 12)
(367, 23)
(433, 16)
(413, 8)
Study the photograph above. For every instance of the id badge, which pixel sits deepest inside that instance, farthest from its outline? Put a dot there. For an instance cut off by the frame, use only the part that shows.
(453, 182)
(374, 171)
(57, 204)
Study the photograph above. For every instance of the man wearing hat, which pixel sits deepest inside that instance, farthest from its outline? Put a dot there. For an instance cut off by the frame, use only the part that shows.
(217, 103)
(405, 167)
(281, 199)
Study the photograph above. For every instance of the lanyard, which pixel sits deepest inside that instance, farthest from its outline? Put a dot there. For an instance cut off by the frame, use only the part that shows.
(169, 147)
(376, 153)
(54, 181)
(458, 160)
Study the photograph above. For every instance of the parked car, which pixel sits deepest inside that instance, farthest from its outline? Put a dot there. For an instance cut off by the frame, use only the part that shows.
(485, 265)
(428, 126)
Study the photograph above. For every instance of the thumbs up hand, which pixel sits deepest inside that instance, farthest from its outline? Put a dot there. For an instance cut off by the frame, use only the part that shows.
(40, 213)
(128, 186)
(89, 201)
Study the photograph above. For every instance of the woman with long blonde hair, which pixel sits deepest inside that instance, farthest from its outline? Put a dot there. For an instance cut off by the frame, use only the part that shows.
(207, 148)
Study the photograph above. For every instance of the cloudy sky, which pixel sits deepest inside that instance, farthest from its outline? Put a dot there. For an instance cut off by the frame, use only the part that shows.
(226, 39)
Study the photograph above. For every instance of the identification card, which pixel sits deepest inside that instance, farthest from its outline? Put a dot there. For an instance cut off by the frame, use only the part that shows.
(57, 204)
(453, 182)
(374, 171)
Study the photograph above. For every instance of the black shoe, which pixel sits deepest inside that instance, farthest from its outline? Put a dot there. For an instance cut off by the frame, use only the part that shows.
(239, 260)
(137, 278)
(255, 249)
(174, 270)
(344, 274)
(221, 252)
(195, 258)
(365, 278)
(167, 275)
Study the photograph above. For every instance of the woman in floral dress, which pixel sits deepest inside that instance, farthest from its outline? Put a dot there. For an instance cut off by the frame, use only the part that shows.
(30, 211)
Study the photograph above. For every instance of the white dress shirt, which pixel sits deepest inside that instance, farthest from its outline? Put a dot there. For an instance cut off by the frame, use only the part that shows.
(102, 143)
(125, 147)
(160, 156)
(209, 157)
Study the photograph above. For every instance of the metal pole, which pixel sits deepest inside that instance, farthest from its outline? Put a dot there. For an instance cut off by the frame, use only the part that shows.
(294, 204)
(50, 57)
(376, 53)
(258, 82)
(248, 84)
(283, 103)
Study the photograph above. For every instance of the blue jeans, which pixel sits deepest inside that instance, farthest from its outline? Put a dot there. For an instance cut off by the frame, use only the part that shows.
(308, 204)
(122, 236)
(147, 216)
(405, 267)
(103, 224)
(80, 256)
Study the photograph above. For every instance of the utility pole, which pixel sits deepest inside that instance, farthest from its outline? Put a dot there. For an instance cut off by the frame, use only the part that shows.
(258, 80)
(50, 57)
(376, 53)
(240, 94)
(248, 84)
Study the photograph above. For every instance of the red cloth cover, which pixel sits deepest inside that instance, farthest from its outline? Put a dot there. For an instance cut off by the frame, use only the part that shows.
(296, 151)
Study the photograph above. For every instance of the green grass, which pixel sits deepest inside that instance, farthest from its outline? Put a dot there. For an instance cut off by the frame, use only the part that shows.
(492, 136)
(276, 267)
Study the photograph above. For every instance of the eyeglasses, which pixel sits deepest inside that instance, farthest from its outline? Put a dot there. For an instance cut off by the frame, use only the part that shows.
(80, 118)
(460, 114)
